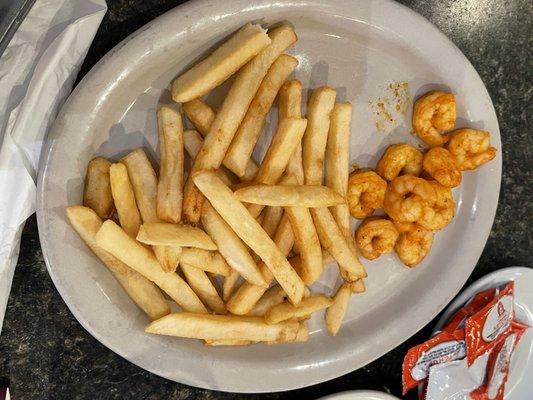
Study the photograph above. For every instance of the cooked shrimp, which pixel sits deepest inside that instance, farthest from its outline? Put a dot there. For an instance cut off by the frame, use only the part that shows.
(413, 245)
(365, 193)
(376, 236)
(441, 213)
(434, 113)
(400, 158)
(407, 198)
(440, 164)
(471, 148)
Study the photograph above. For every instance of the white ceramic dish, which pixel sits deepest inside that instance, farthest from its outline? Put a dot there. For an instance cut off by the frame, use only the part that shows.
(360, 395)
(519, 385)
(359, 47)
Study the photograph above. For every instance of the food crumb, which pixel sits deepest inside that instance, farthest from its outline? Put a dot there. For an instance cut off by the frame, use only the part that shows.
(392, 107)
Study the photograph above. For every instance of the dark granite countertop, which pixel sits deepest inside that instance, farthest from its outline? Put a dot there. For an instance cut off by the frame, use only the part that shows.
(46, 354)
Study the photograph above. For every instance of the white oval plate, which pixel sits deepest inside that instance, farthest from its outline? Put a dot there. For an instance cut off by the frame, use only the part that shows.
(518, 386)
(358, 47)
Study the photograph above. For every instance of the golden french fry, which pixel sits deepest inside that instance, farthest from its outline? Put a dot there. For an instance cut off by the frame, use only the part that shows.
(245, 298)
(249, 131)
(335, 243)
(284, 311)
(245, 44)
(203, 287)
(273, 296)
(272, 216)
(229, 284)
(290, 195)
(296, 261)
(358, 286)
(308, 243)
(288, 135)
(124, 199)
(193, 143)
(337, 161)
(165, 234)
(170, 185)
(200, 115)
(97, 192)
(230, 115)
(144, 182)
(228, 342)
(230, 246)
(335, 313)
(289, 106)
(143, 292)
(220, 327)
(210, 261)
(301, 336)
(114, 240)
(249, 230)
(314, 141)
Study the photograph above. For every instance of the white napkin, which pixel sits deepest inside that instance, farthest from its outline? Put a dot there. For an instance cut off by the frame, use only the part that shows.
(37, 71)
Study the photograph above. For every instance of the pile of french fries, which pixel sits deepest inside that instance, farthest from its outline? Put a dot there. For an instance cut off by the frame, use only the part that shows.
(267, 229)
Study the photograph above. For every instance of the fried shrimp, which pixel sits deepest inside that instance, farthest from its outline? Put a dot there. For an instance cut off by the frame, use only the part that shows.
(376, 236)
(413, 245)
(366, 191)
(440, 164)
(400, 158)
(434, 113)
(441, 213)
(408, 198)
(471, 148)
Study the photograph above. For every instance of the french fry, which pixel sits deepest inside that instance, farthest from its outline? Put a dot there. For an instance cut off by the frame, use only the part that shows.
(335, 313)
(358, 286)
(143, 292)
(290, 195)
(165, 234)
(200, 115)
(228, 286)
(252, 125)
(228, 342)
(289, 106)
(247, 296)
(144, 182)
(230, 246)
(287, 137)
(124, 199)
(314, 141)
(284, 311)
(249, 230)
(301, 336)
(221, 64)
(273, 296)
(97, 192)
(193, 142)
(222, 327)
(306, 238)
(170, 185)
(335, 243)
(272, 216)
(203, 287)
(114, 240)
(210, 261)
(230, 115)
(296, 261)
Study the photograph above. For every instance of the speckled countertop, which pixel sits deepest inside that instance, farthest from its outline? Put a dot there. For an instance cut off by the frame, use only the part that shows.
(46, 354)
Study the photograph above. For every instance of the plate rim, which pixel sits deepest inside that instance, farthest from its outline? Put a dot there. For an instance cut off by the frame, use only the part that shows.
(246, 388)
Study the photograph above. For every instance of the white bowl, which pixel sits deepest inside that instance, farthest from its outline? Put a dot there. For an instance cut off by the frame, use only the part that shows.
(359, 47)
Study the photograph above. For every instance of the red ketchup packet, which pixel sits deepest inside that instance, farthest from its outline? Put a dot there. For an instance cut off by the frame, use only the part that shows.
(441, 348)
(498, 365)
(476, 303)
(485, 327)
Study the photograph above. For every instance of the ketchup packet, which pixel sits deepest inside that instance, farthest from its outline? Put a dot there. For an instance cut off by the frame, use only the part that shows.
(486, 326)
(441, 348)
(498, 365)
(475, 304)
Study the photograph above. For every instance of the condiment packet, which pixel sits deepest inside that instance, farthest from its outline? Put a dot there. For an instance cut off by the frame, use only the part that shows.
(442, 348)
(476, 303)
(485, 327)
(498, 365)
